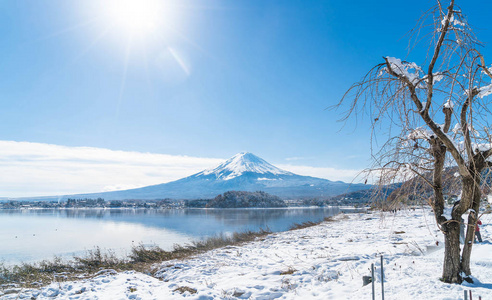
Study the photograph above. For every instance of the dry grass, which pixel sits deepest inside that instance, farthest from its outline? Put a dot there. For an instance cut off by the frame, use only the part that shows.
(31, 275)
(183, 289)
(307, 224)
(289, 271)
(95, 259)
(141, 258)
(331, 219)
(141, 254)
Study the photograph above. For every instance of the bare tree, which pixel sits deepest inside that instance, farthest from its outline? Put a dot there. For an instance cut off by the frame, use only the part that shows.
(434, 117)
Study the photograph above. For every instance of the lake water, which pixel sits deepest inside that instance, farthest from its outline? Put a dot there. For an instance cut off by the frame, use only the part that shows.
(36, 234)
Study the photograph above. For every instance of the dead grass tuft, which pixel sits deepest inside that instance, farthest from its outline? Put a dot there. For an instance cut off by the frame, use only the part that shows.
(184, 289)
(289, 271)
(96, 259)
(141, 258)
(307, 224)
(141, 254)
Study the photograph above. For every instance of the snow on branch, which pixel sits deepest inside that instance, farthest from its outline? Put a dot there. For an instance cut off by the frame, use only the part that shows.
(486, 70)
(411, 71)
(420, 133)
(484, 91)
(458, 130)
(449, 104)
(482, 147)
(405, 69)
(452, 21)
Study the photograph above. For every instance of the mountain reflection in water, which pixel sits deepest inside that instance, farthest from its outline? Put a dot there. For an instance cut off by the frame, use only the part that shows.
(35, 234)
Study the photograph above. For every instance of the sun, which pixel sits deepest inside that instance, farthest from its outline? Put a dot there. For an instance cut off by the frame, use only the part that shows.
(135, 17)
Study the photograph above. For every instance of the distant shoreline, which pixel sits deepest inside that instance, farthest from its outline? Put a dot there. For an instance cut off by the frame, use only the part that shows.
(341, 207)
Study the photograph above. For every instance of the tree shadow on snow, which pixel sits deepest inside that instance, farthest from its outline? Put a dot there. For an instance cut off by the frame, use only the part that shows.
(478, 284)
(485, 242)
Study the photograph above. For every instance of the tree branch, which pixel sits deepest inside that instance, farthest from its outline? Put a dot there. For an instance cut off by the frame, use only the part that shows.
(437, 49)
(428, 120)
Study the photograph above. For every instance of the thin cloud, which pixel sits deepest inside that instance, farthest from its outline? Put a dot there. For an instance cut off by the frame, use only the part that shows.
(296, 158)
(37, 169)
(346, 175)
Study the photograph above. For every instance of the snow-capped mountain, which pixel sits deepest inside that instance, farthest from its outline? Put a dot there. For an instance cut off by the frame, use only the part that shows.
(242, 172)
(243, 163)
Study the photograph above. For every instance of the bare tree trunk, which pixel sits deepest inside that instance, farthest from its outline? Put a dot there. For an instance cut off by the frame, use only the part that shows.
(467, 248)
(451, 267)
(451, 228)
(472, 190)
(438, 151)
(470, 232)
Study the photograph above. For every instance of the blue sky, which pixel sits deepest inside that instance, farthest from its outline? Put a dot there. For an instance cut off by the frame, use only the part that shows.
(209, 80)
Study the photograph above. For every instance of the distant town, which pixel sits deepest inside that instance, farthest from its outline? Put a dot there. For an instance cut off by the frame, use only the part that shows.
(166, 203)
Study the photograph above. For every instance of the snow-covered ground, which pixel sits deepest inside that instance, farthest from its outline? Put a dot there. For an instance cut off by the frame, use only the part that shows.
(326, 261)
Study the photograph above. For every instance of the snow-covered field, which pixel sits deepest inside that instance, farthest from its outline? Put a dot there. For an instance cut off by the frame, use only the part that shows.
(326, 261)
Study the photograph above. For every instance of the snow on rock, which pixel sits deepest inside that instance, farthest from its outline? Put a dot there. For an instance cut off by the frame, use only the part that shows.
(326, 261)
(241, 163)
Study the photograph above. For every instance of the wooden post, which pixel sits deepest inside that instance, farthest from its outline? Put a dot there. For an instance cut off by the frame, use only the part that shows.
(372, 274)
(382, 279)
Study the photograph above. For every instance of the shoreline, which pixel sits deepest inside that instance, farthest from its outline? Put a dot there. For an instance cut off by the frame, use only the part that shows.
(325, 261)
(140, 254)
(279, 219)
(186, 208)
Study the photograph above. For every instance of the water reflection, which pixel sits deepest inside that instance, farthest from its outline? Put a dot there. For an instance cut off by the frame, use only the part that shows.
(35, 234)
(185, 220)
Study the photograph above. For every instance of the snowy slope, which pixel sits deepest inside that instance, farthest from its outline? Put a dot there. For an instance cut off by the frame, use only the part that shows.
(243, 172)
(321, 262)
(240, 164)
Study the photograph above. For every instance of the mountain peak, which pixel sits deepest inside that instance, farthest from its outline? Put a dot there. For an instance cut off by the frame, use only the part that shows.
(241, 163)
(242, 172)
(246, 156)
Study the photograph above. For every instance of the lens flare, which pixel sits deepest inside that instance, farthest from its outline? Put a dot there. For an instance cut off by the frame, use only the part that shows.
(135, 17)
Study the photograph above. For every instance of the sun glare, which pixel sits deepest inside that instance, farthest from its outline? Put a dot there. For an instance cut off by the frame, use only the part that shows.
(135, 17)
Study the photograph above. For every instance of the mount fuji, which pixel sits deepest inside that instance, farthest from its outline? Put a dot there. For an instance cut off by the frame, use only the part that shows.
(242, 172)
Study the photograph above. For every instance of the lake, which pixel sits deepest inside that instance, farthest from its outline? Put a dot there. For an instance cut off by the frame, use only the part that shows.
(34, 234)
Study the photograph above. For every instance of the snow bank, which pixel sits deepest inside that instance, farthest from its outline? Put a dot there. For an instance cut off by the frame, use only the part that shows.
(326, 261)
